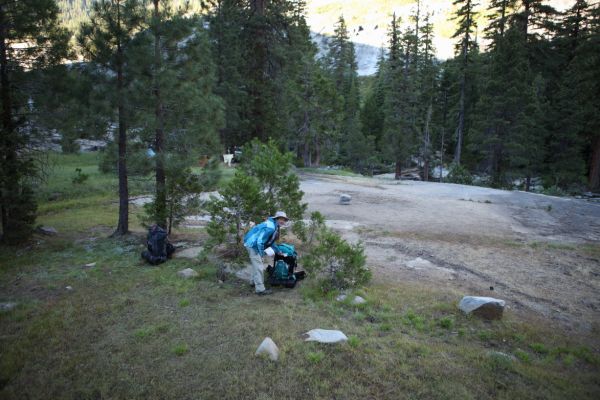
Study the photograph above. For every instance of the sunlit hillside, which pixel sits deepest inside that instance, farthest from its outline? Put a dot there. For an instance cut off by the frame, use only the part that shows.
(374, 16)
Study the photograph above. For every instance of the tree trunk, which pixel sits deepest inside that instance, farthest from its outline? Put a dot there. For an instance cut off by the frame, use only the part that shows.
(305, 140)
(317, 162)
(444, 115)
(594, 173)
(123, 224)
(398, 170)
(260, 58)
(528, 183)
(161, 191)
(463, 82)
(461, 120)
(427, 144)
(306, 154)
(7, 147)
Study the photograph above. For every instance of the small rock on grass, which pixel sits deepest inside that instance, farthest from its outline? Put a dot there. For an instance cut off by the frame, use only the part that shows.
(47, 230)
(187, 273)
(69, 287)
(499, 354)
(268, 348)
(7, 306)
(355, 301)
(484, 307)
(325, 336)
(90, 265)
(191, 252)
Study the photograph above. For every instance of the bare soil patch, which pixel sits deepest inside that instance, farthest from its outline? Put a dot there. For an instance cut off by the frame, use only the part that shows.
(539, 253)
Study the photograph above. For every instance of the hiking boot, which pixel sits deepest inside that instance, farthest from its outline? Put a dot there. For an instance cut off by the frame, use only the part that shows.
(265, 292)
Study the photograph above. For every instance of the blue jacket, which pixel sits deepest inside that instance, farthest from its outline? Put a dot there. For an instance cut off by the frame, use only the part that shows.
(262, 236)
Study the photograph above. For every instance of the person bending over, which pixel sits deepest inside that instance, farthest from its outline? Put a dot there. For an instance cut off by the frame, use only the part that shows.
(259, 239)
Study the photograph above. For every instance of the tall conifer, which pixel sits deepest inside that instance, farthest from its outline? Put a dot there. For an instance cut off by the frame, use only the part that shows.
(34, 22)
(105, 40)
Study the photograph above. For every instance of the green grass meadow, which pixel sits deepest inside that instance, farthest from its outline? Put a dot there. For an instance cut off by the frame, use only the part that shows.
(122, 329)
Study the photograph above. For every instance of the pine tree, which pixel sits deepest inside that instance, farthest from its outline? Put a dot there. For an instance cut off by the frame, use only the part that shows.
(465, 15)
(34, 22)
(226, 20)
(428, 70)
(509, 126)
(499, 12)
(572, 142)
(587, 70)
(398, 130)
(354, 148)
(371, 114)
(104, 40)
(64, 102)
(178, 115)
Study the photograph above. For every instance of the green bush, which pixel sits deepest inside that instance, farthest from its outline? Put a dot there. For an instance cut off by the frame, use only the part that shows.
(79, 177)
(20, 207)
(183, 189)
(459, 174)
(240, 202)
(262, 185)
(308, 232)
(446, 322)
(315, 357)
(342, 264)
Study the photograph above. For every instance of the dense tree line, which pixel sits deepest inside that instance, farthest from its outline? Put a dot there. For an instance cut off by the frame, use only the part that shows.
(171, 83)
(525, 107)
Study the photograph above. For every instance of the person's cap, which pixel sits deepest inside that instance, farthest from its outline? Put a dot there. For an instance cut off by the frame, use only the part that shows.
(281, 214)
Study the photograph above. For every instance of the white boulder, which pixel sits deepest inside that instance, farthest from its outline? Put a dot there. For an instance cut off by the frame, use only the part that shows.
(268, 348)
(325, 336)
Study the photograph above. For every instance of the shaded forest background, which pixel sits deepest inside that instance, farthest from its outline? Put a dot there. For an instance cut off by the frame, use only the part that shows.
(188, 80)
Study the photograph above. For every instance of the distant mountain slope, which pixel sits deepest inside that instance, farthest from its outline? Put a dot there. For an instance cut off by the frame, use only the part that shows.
(367, 20)
(366, 55)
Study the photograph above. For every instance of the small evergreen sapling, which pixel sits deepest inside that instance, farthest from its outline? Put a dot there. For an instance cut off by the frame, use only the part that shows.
(342, 263)
(262, 185)
(239, 203)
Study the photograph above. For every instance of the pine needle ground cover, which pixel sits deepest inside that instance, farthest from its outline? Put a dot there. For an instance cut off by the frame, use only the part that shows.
(122, 329)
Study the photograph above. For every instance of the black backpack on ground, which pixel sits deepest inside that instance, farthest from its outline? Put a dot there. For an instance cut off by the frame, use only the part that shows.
(159, 248)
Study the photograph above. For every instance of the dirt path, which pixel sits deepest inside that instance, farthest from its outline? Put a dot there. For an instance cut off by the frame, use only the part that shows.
(539, 253)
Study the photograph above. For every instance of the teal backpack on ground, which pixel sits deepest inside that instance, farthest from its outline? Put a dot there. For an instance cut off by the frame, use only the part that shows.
(287, 249)
(282, 273)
